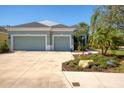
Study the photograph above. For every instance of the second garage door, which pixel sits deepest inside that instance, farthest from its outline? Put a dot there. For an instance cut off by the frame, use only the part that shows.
(62, 43)
(32, 43)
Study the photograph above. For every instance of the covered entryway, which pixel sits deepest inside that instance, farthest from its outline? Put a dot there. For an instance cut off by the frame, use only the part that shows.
(62, 43)
(29, 43)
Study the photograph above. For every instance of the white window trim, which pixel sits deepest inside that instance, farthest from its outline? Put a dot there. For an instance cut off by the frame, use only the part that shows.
(70, 38)
(12, 38)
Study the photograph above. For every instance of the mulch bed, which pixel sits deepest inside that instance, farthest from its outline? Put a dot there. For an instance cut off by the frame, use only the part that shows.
(69, 68)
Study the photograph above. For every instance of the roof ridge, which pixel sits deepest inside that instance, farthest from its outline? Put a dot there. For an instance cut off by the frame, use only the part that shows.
(31, 24)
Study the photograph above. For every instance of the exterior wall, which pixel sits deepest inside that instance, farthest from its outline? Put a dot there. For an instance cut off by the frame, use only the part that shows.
(3, 36)
(38, 29)
(28, 32)
(48, 33)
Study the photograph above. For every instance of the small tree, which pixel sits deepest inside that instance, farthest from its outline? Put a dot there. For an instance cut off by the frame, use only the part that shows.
(107, 26)
(104, 39)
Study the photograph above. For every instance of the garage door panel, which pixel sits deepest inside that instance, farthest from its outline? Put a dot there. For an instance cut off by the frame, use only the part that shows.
(32, 43)
(62, 43)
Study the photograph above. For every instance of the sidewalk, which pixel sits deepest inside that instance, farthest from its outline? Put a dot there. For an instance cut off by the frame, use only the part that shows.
(85, 52)
(95, 79)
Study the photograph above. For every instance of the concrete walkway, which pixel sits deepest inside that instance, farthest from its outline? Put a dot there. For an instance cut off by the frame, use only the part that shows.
(95, 79)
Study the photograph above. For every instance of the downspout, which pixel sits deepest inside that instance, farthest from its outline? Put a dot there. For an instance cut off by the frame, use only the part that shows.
(51, 38)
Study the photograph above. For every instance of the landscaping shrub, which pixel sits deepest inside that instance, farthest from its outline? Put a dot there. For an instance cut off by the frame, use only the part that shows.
(83, 48)
(71, 65)
(104, 61)
(84, 58)
(94, 68)
(100, 63)
(4, 47)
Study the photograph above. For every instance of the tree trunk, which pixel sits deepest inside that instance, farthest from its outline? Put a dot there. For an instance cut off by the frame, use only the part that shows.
(106, 49)
(102, 50)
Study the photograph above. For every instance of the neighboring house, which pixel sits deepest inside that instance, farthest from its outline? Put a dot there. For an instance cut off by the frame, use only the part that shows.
(41, 36)
(3, 34)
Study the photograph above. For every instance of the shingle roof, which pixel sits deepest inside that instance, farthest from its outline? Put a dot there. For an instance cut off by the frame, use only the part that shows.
(33, 24)
(2, 29)
(60, 26)
(75, 26)
(37, 24)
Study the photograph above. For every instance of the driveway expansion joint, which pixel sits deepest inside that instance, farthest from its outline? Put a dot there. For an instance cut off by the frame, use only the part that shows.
(22, 74)
(99, 80)
(67, 80)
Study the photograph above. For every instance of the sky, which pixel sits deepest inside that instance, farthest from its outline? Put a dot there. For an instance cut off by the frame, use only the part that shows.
(66, 14)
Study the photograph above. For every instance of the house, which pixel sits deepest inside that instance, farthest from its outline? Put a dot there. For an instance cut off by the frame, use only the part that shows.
(3, 34)
(41, 36)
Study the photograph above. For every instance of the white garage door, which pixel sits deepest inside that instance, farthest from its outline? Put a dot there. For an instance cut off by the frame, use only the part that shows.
(62, 43)
(32, 43)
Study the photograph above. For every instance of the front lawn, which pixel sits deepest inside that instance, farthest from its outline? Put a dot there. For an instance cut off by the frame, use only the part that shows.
(112, 52)
(116, 52)
(111, 63)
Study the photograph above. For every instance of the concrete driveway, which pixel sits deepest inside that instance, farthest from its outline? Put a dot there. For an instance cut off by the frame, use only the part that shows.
(43, 70)
(33, 69)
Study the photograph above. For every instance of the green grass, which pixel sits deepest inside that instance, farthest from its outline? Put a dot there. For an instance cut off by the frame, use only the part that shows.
(120, 68)
(116, 52)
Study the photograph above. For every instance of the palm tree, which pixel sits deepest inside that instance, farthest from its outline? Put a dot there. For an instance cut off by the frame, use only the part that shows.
(82, 28)
(94, 21)
(105, 33)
